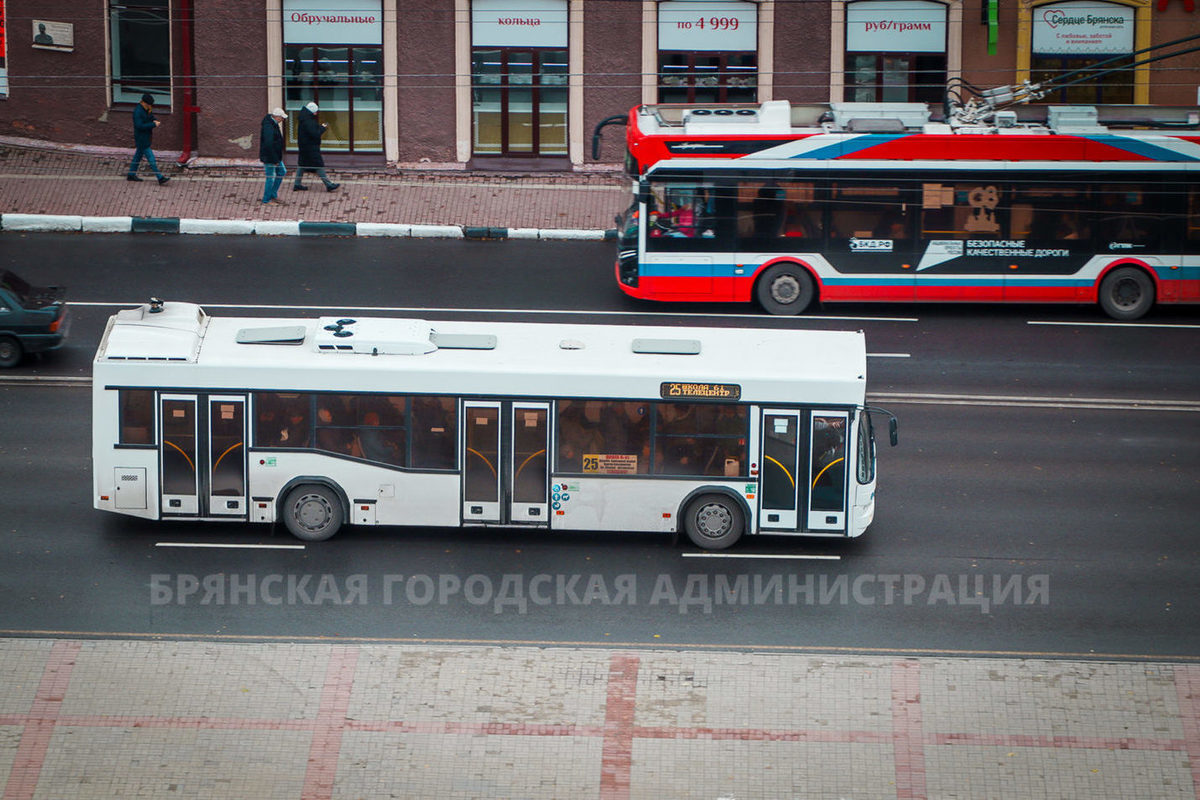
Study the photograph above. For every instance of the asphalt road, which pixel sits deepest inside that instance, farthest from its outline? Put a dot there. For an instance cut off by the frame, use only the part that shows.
(1031, 527)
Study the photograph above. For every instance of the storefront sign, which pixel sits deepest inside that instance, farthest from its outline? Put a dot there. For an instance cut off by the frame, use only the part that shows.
(708, 25)
(332, 22)
(519, 23)
(1082, 28)
(53, 35)
(895, 26)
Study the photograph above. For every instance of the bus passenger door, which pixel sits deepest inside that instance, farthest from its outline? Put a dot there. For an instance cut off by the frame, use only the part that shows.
(780, 460)
(481, 461)
(227, 456)
(528, 464)
(179, 481)
(827, 471)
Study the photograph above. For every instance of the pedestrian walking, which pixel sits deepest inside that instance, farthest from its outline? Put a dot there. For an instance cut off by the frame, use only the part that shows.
(144, 124)
(270, 153)
(309, 133)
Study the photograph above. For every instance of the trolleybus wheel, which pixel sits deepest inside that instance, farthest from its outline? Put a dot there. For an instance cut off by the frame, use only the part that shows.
(714, 521)
(312, 513)
(1126, 293)
(785, 289)
(10, 352)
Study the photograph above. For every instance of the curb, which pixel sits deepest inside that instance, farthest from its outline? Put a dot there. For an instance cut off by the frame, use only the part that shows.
(234, 227)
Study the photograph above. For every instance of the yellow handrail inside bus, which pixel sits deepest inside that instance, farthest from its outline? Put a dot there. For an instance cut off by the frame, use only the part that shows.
(827, 466)
(231, 447)
(517, 474)
(782, 467)
(485, 460)
(186, 457)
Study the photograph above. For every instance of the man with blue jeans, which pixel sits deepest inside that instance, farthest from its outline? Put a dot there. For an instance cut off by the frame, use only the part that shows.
(144, 124)
(270, 153)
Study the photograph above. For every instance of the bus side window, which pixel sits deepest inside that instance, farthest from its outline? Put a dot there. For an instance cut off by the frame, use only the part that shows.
(434, 432)
(282, 419)
(137, 416)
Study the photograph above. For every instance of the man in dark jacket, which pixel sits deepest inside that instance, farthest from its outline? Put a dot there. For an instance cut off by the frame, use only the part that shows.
(270, 153)
(309, 133)
(144, 124)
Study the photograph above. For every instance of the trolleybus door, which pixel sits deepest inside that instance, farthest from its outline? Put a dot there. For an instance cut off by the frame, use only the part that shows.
(528, 464)
(827, 471)
(780, 475)
(179, 480)
(481, 462)
(227, 456)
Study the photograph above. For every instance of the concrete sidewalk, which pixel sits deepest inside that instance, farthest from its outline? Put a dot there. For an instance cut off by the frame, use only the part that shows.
(50, 181)
(187, 719)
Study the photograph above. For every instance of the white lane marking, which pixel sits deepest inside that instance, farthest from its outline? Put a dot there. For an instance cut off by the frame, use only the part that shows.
(1105, 403)
(1131, 325)
(889, 355)
(569, 312)
(795, 557)
(216, 545)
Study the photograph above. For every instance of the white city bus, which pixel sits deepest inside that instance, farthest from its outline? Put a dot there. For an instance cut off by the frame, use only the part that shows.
(318, 423)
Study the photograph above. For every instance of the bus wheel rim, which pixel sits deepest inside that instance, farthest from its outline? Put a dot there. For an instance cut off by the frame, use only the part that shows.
(785, 289)
(1126, 293)
(313, 512)
(714, 520)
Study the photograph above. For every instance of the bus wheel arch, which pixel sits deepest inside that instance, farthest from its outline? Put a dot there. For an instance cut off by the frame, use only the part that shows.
(1127, 291)
(785, 288)
(313, 509)
(713, 517)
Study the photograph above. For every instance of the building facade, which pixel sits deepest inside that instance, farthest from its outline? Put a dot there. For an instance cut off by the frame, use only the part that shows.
(521, 84)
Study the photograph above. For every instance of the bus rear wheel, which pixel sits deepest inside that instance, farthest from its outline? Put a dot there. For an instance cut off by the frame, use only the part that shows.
(714, 521)
(312, 513)
(785, 289)
(1126, 293)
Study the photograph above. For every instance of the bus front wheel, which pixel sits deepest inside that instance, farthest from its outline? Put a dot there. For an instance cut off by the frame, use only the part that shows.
(1126, 293)
(312, 513)
(785, 289)
(714, 521)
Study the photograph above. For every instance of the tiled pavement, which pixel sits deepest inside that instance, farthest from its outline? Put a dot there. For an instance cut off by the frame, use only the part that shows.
(208, 720)
(166, 719)
(44, 181)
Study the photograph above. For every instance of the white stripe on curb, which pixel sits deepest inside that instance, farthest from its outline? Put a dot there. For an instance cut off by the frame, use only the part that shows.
(220, 226)
(437, 232)
(41, 222)
(106, 224)
(382, 229)
(570, 234)
(277, 227)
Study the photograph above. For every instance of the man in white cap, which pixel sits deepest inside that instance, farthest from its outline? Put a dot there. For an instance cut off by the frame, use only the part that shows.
(270, 153)
(308, 136)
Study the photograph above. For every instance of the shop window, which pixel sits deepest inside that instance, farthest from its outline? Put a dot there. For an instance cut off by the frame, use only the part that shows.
(140, 32)
(707, 77)
(519, 101)
(346, 83)
(1112, 87)
(896, 77)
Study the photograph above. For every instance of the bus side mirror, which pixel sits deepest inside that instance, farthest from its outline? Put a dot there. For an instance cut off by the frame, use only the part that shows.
(893, 436)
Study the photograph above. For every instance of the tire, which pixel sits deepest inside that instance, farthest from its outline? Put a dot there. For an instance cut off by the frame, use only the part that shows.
(10, 352)
(312, 512)
(714, 521)
(785, 289)
(1126, 293)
